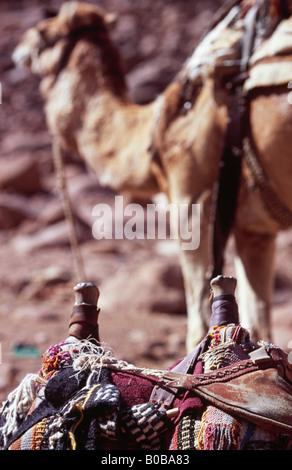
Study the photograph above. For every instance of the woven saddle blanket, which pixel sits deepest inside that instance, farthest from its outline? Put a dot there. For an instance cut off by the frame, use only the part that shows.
(271, 64)
(83, 398)
(220, 52)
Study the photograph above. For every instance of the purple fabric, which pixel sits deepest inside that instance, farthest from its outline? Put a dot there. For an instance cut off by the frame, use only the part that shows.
(224, 311)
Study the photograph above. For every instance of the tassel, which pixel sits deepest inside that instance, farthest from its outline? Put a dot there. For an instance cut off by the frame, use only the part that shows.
(219, 431)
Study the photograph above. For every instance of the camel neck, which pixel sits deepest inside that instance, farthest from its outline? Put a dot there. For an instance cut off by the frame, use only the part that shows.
(102, 125)
(96, 60)
(88, 104)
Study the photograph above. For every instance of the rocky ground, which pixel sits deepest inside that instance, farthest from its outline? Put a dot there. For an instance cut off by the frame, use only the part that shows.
(143, 313)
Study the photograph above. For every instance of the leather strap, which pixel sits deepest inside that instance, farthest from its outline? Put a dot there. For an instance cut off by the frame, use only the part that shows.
(251, 389)
(84, 313)
(83, 322)
(162, 394)
(261, 397)
(228, 181)
(224, 311)
(249, 34)
(224, 374)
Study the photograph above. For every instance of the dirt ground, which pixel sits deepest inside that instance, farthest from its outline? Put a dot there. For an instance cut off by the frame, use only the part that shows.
(143, 312)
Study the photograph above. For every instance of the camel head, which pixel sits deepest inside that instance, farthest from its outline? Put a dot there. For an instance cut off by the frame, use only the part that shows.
(42, 46)
(86, 97)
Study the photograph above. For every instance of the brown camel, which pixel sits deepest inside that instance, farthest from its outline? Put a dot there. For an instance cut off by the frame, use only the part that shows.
(157, 148)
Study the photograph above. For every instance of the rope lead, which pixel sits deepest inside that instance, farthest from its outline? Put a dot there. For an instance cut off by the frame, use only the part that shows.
(67, 207)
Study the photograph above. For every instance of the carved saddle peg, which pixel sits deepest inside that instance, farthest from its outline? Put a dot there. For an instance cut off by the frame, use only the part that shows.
(84, 319)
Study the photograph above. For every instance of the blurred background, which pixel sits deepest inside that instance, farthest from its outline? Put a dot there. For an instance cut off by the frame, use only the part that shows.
(143, 311)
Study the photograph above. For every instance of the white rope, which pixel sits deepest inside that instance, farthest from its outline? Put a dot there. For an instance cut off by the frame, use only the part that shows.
(93, 357)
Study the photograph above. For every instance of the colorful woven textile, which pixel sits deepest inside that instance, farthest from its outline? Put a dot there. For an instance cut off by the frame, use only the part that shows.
(185, 436)
(89, 407)
(228, 345)
(211, 428)
(218, 431)
(85, 408)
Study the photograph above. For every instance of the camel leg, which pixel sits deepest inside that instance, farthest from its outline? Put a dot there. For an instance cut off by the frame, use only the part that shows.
(195, 261)
(255, 273)
(194, 269)
(191, 167)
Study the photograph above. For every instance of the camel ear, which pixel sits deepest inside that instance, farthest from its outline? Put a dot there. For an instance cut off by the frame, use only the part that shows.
(81, 15)
(111, 20)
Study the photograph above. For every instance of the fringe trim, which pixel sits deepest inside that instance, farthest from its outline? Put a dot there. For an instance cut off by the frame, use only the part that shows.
(217, 434)
(18, 404)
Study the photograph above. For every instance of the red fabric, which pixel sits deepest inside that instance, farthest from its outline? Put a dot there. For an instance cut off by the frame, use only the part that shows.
(187, 401)
(134, 389)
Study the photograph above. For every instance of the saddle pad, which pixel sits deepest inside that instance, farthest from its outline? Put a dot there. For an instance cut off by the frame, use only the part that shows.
(276, 73)
(278, 44)
(220, 46)
(271, 63)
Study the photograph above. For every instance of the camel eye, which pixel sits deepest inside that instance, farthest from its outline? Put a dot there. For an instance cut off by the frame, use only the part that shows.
(42, 32)
(49, 13)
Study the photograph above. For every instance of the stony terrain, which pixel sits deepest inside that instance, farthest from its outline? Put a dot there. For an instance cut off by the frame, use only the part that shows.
(143, 313)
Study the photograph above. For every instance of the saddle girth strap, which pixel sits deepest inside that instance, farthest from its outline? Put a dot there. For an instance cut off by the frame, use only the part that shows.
(227, 185)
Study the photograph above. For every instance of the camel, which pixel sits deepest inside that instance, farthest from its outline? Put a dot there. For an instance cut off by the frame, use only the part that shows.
(171, 145)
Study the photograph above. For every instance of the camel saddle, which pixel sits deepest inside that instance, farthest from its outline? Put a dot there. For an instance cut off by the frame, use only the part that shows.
(226, 371)
(256, 384)
(253, 389)
(248, 48)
